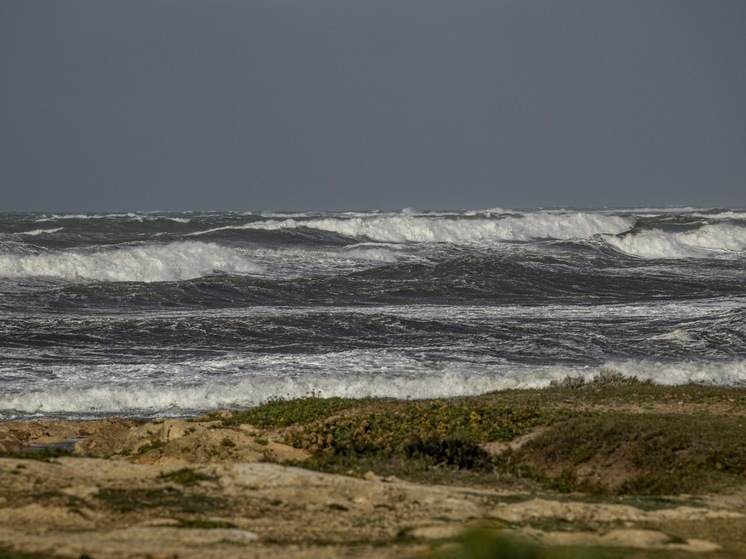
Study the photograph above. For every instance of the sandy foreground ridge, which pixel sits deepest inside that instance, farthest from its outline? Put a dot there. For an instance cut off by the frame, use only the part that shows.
(207, 488)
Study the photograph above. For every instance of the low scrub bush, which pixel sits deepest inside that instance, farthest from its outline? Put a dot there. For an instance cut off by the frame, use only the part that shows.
(185, 476)
(605, 378)
(657, 453)
(130, 500)
(283, 413)
(412, 439)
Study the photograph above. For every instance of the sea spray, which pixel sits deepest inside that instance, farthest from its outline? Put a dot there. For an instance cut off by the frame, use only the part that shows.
(148, 314)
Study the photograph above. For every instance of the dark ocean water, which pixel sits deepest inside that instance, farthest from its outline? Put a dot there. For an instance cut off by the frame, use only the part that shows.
(169, 314)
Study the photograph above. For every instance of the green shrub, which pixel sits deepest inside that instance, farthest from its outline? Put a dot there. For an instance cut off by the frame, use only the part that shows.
(155, 445)
(410, 425)
(450, 452)
(130, 500)
(282, 413)
(204, 524)
(185, 476)
(664, 454)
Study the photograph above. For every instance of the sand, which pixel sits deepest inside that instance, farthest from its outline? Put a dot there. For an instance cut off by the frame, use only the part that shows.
(194, 489)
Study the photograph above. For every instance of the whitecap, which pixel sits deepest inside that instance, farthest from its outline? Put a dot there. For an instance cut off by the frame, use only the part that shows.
(706, 241)
(36, 232)
(143, 263)
(428, 229)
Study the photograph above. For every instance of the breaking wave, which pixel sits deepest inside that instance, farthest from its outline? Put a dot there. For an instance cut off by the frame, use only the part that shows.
(35, 232)
(406, 228)
(151, 399)
(705, 242)
(140, 263)
(132, 216)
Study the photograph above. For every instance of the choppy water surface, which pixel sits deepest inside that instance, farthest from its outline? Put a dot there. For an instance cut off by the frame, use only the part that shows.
(169, 314)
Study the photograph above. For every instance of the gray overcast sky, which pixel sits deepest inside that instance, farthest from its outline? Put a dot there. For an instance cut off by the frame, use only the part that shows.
(371, 104)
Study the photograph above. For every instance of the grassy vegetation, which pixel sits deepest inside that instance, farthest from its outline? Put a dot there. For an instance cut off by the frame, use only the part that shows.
(344, 435)
(130, 500)
(204, 524)
(282, 413)
(663, 453)
(440, 427)
(151, 446)
(42, 454)
(606, 378)
(586, 444)
(7, 553)
(186, 476)
(616, 394)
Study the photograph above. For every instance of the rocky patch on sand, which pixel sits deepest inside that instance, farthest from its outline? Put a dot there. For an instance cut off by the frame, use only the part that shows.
(198, 489)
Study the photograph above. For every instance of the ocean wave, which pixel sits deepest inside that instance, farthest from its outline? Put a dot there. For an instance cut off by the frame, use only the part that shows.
(705, 242)
(36, 232)
(131, 216)
(372, 254)
(722, 214)
(153, 399)
(427, 229)
(156, 399)
(142, 263)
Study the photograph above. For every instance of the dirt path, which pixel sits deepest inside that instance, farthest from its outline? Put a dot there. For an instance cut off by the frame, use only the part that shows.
(76, 507)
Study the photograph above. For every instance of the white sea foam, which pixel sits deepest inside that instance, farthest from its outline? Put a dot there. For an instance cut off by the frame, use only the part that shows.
(148, 398)
(132, 216)
(51, 217)
(725, 214)
(143, 263)
(151, 398)
(658, 210)
(372, 254)
(489, 212)
(678, 336)
(36, 232)
(417, 229)
(296, 263)
(707, 241)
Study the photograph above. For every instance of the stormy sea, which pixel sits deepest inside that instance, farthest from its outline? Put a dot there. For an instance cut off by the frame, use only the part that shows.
(170, 314)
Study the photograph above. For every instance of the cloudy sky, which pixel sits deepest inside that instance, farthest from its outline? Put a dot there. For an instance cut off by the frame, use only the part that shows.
(371, 104)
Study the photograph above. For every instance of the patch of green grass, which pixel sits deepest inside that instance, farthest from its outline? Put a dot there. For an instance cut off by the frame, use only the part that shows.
(57, 498)
(7, 553)
(419, 469)
(151, 446)
(436, 441)
(186, 476)
(130, 500)
(42, 454)
(204, 524)
(282, 413)
(663, 453)
(449, 429)
(227, 442)
(619, 394)
(605, 378)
